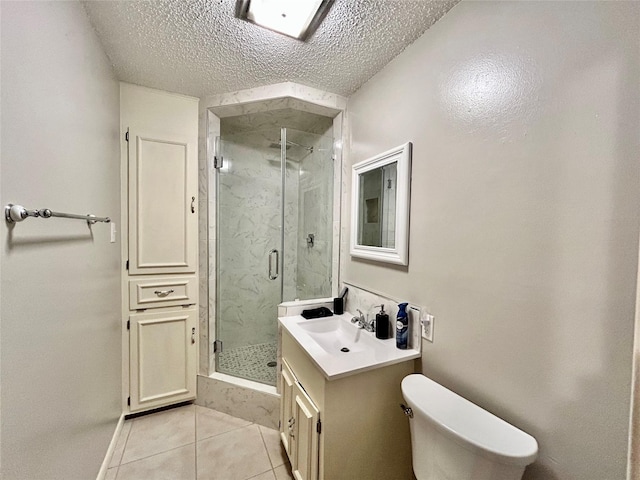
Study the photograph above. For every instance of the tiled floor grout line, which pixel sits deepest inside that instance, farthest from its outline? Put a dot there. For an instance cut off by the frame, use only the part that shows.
(264, 443)
(222, 433)
(262, 473)
(124, 447)
(159, 453)
(226, 431)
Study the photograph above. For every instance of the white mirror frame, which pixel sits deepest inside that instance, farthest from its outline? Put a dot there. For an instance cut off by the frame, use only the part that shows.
(400, 254)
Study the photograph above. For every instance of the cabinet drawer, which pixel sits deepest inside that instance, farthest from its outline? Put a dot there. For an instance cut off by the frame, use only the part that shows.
(162, 292)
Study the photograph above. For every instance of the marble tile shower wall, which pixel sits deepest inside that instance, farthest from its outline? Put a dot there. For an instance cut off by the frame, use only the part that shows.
(273, 97)
(249, 219)
(282, 117)
(315, 214)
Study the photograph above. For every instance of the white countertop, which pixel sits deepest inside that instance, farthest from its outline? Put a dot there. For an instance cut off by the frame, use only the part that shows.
(322, 338)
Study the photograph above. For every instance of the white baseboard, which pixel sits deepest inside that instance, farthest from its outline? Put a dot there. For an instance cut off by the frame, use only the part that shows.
(112, 446)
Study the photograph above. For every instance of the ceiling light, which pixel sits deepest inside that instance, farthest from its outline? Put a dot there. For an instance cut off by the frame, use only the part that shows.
(295, 18)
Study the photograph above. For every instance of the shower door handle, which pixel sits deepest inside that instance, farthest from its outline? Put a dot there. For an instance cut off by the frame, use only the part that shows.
(271, 275)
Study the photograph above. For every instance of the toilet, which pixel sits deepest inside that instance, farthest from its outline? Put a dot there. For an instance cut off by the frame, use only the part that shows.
(454, 439)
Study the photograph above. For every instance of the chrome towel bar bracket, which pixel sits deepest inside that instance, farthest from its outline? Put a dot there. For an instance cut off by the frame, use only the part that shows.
(17, 213)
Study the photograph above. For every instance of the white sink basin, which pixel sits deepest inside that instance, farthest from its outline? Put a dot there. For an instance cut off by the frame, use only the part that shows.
(335, 335)
(340, 348)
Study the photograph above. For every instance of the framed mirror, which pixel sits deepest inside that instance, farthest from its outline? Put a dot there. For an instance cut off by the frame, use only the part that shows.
(380, 194)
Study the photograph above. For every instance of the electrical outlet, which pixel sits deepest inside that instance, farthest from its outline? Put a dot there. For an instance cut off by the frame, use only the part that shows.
(415, 329)
(426, 321)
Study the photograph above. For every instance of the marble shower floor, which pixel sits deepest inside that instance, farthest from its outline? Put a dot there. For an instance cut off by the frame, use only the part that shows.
(197, 443)
(250, 362)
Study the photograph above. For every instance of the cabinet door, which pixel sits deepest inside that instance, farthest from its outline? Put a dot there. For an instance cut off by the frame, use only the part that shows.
(287, 382)
(162, 349)
(163, 224)
(305, 453)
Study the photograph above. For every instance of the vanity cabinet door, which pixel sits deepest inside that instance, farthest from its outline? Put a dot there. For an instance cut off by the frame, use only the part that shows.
(307, 430)
(287, 382)
(163, 196)
(162, 352)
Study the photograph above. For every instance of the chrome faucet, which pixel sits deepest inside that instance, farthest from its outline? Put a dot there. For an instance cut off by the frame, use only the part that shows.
(368, 325)
(359, 319)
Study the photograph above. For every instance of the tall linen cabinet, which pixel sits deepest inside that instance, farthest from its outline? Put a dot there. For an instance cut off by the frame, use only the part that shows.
(159, 138)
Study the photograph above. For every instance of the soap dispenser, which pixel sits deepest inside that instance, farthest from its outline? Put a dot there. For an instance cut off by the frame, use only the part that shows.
(382, 324)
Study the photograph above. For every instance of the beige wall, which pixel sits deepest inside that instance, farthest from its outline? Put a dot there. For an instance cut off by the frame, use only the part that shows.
(524, 118)
(60, 281)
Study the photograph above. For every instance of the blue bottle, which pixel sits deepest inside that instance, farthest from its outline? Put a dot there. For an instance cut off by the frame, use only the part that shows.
(402, 327)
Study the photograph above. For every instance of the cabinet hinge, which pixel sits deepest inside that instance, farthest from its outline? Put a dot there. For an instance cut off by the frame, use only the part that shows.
(127, 265)
(126, 136)
(128, 324)
(218, 161)
(129, 401)
(319, 427)
(217, 346)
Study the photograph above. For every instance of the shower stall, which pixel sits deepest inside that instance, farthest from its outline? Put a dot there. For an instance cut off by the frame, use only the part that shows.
(274, 224)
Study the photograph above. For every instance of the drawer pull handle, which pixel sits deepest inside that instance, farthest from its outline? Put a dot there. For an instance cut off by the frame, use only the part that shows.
(163, 293)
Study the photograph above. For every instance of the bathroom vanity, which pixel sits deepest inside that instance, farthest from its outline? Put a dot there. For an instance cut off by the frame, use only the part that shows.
(340, 416)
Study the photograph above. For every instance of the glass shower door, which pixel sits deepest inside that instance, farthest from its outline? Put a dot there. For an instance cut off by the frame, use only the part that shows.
(274, 219)
(249, 254)
(308, 219)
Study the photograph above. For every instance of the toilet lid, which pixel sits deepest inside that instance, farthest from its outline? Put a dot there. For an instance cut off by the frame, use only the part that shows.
(468, 422)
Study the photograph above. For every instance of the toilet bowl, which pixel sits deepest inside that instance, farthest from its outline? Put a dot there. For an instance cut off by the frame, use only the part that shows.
(454, 439)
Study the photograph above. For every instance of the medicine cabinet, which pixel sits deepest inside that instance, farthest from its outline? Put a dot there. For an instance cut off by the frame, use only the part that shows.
(380, 200)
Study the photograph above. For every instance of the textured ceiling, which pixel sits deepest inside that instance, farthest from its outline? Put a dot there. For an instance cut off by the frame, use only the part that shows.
(199, 48)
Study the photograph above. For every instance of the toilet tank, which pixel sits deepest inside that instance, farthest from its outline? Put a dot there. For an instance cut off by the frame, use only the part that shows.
(454, 439)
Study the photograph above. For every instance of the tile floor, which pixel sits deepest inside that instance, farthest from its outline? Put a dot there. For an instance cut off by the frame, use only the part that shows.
(193, 442)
